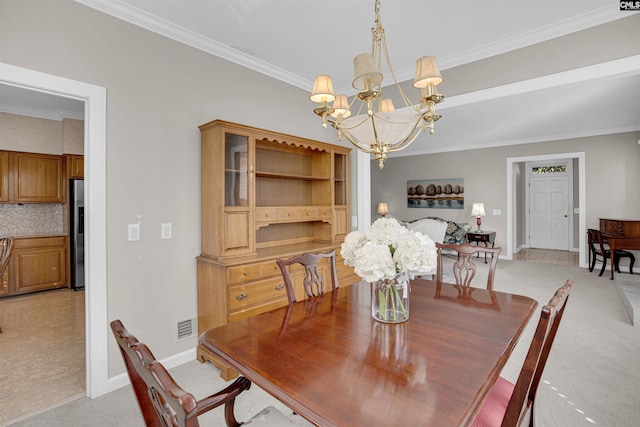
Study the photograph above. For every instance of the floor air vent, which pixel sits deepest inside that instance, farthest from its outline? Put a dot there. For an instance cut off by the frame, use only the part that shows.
(185, 329)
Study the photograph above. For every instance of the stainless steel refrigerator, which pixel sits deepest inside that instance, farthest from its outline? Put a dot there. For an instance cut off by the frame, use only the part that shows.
(76, 205)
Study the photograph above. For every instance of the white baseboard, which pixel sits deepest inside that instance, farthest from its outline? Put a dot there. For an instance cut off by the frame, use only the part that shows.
(122, 380)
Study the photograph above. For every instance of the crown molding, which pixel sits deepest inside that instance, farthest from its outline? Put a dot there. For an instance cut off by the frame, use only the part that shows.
(57, 115)
(165, 28)
(182, 35)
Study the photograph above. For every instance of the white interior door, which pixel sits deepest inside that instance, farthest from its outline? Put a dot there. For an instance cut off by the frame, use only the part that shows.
(549, 211)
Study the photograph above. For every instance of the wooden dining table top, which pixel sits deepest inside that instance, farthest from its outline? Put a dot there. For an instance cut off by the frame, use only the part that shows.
(329, 361)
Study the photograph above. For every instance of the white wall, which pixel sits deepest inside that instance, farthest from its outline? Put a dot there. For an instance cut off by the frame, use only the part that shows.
(158, 92)
(612, 173)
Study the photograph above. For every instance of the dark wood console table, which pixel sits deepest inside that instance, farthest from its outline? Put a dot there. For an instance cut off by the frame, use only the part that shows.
(485, 237)
(622, 234)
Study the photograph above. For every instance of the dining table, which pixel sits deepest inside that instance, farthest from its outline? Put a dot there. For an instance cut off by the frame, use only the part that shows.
(328, 360)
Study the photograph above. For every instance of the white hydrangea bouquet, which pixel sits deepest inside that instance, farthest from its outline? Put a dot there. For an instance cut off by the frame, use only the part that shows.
(388, 256)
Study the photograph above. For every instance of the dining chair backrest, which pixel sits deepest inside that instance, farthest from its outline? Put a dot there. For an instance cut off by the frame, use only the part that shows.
(464, 269)
(510, 405)
(313, 281)
(6, 245)
(161, 400)
(528, 381)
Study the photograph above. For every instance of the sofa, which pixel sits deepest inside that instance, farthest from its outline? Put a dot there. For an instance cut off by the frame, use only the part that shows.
(441, 230)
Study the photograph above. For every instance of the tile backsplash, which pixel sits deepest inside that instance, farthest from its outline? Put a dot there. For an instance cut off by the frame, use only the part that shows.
(31, 219)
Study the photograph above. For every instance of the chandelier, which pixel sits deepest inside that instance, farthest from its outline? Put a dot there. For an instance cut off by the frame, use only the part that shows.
(378, 128)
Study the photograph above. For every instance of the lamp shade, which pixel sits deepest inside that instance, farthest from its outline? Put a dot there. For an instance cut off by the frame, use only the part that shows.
(365, 75)
(322, 89)
(427, 72)
(477, 210)
(383, 209)
(341, 107)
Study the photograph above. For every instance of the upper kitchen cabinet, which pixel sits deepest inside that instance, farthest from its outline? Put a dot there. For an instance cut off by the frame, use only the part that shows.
(4, 176)
(32, 178)
(75, 166)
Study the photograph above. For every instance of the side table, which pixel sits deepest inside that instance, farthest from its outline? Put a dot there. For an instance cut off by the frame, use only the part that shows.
(486, 237)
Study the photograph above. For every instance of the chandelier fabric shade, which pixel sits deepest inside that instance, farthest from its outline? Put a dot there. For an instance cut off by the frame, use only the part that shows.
(377, 128)
(427, 73)
(365, 73)
(322, 89)
(341, 107)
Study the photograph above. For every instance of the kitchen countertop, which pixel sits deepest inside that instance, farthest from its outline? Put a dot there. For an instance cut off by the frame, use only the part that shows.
(36, 236)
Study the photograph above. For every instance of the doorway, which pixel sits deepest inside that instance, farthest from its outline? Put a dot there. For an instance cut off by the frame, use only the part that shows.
(549, 196)
(516, 235)
(94, 97)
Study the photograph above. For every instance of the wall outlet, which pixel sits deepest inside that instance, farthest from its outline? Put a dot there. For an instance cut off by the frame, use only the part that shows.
(165, 230)
(497, 212)
(134, 232)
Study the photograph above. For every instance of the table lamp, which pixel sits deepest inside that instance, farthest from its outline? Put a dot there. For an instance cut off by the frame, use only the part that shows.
(477, 210)
(383, 209)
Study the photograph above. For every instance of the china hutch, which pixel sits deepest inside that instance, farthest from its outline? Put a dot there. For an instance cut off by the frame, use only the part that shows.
(265, 195)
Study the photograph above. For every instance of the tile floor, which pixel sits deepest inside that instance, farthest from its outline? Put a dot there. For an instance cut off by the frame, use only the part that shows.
(547, 256)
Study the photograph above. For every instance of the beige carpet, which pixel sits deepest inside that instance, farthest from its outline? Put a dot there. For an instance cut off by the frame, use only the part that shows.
(592, 377)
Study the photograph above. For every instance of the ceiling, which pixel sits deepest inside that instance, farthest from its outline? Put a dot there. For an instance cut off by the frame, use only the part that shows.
(326, 35)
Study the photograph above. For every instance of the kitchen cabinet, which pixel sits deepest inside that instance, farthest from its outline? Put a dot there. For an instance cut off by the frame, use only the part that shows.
(30, 177)
(74, 164)
(37, 264)
(265, 196)
(4, 283)
(4, 176)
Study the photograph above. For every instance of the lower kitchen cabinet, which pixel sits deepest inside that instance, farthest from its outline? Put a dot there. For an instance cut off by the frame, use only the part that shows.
(37, 264)
(4, 283)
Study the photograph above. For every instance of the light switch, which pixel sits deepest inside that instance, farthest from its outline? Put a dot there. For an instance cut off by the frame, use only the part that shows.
(134, 232)
(354, 221)
(497, 212)
(165, 230)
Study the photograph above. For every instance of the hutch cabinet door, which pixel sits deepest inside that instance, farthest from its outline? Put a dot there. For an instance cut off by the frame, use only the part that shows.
(227, 190)
(238, 192)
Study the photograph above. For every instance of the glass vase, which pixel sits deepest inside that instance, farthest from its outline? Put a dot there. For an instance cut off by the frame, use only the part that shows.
(390, 301)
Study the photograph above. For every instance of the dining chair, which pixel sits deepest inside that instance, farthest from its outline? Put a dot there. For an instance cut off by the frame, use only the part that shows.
(599, 251)
(6, 244)
(509, 404)
(164, 403)
(464, 269)
(313, 281)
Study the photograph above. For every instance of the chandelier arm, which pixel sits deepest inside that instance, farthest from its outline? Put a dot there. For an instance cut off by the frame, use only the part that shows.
(344, 128)
(404, 144)
(359, 146)
(413, 134)
(375, 130)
